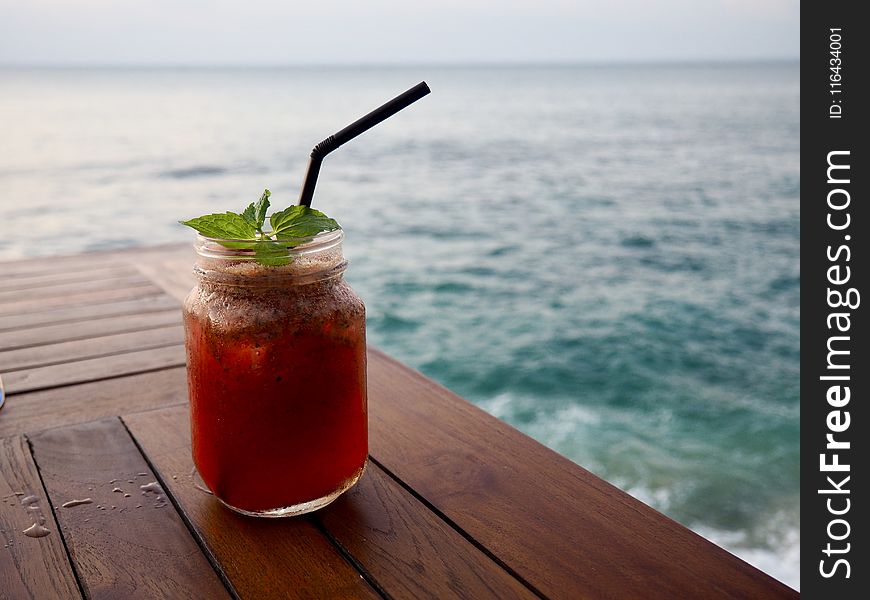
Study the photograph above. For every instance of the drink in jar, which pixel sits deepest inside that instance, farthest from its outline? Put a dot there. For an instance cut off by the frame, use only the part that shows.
(276, 359)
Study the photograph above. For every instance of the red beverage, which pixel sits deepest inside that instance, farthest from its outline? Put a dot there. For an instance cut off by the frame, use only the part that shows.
(277, 378)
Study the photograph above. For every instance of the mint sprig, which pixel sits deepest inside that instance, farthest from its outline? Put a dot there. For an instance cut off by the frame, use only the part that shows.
(300, 222)
(255, 214)
(227, 225)
(290, 227)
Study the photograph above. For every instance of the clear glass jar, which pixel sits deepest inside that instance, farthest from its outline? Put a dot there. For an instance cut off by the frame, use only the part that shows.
(276, 362)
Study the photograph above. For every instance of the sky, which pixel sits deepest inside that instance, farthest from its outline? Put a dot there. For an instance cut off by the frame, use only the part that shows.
(270, 32)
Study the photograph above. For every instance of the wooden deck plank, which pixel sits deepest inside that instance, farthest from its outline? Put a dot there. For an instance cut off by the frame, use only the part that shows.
(98, 310)
(129, 543)
(49, 265)
(80, 403)
(262, 558)
(563, 530)
(30, 567)
(86, 261)
(408, 549)
(66, 289)
(103, 346)
(92, 369)
(29, 282)
(64, 332)
(131, 288)
(173, 273)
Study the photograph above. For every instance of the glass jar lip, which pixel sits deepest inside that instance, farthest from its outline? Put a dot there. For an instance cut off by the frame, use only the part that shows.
(236, 249)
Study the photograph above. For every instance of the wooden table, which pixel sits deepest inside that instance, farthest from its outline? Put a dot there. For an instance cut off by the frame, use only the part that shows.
(454, 503)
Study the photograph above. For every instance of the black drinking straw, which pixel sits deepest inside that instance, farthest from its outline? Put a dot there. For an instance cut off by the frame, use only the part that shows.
(351, 131)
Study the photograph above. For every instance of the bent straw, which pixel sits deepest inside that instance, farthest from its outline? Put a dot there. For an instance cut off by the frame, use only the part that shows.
(351, 131)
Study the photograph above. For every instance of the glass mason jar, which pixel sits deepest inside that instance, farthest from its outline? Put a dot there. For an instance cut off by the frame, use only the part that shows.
(276, 362)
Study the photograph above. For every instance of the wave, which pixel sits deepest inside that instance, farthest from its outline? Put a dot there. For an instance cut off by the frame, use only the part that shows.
(190, 172)
(607, 441)
(779, 558)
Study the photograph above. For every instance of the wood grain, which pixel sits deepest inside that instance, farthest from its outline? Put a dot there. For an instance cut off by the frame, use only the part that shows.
(68, 289)
(34, 267)
(91, 369)
(119, 550)
(63, 332)
(408, 549)
(563, 530)
(67, 405)
(29, 282)
(173, 274)
(48, 354)
(88, 261)
(100, 310)
(262, 558)
(130, 288)
(29, 567)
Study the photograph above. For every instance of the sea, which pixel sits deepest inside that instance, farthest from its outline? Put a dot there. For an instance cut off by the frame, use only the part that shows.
(604, 256)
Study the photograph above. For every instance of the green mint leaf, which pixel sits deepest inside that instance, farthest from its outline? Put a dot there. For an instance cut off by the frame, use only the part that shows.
(242, 245)
(227, 225)
(271, 254)
(283, 218)
(261, 207)
(290, 227)
(250, 214)
(300, 222)
(255, 213)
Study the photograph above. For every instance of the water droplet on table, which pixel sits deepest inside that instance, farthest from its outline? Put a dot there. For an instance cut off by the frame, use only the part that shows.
(72, 503)
(36, 531)
(155, 489)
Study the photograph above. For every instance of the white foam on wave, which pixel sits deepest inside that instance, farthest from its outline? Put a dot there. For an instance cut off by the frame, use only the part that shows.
(781, 560)
(505, 404)
(775, 549)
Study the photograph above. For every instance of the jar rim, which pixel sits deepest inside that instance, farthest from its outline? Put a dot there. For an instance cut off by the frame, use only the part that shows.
(222, 248)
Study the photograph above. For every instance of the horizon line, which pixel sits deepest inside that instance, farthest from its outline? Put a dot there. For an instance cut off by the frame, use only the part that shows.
(400, 65)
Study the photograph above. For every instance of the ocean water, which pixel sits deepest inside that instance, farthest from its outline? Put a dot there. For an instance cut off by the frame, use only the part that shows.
(605, 257)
